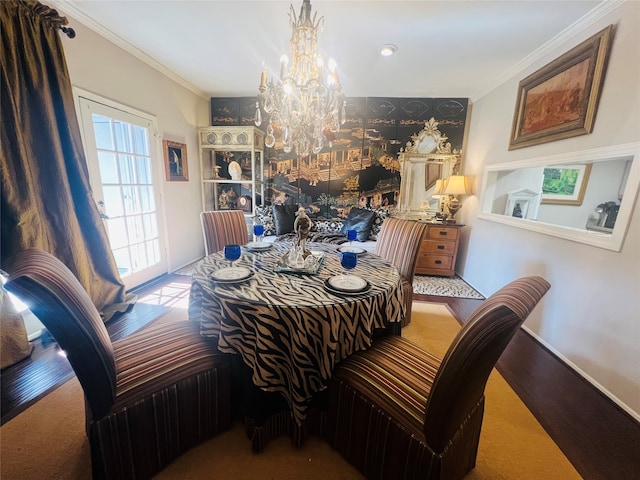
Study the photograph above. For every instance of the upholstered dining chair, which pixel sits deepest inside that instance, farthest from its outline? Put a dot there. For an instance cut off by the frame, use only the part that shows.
(223, 227)
(397, 411)
(399, 242)
(148, 397)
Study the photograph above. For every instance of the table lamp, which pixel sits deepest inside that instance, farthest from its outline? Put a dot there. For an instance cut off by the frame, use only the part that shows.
(456, 185)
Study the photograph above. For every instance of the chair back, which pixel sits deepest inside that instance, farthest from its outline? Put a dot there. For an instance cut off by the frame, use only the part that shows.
(60, 302)
(223, 227)
(461, 378)
(399, 242)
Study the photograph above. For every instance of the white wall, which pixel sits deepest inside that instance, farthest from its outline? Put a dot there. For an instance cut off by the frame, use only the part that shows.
(100, 67)
(590, 317)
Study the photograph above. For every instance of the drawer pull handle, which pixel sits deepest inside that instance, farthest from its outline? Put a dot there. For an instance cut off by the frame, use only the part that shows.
(438, 262)
(440, 247)
(442, 232)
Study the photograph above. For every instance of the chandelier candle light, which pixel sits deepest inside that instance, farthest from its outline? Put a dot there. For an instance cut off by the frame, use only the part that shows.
(305, 110)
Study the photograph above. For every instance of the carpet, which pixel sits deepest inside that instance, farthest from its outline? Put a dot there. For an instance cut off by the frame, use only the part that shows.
(444, 287)
(48, 439)
(422, 284)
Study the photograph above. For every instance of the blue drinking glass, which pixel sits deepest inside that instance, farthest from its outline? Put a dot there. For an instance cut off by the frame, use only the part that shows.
(232, 252)
(351, 235)
(258, 232)
(349, 260)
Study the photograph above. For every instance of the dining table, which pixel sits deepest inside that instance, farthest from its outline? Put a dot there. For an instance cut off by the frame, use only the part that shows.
(291, 326)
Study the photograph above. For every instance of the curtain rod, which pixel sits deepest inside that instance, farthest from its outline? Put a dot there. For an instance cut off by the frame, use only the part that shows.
(50, 16)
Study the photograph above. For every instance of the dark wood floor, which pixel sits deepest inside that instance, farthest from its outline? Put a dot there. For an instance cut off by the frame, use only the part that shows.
(599, 438)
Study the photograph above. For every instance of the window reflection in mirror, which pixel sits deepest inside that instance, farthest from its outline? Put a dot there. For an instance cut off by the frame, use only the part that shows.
(585, 196)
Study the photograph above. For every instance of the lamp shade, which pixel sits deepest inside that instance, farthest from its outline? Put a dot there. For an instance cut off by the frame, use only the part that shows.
(457, 185)
(437, 190)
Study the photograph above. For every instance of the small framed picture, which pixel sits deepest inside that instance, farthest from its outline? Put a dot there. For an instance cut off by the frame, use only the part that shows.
(245, 204)
(176, 167)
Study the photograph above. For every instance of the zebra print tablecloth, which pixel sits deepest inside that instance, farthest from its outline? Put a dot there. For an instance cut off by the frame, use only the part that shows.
(288, 328)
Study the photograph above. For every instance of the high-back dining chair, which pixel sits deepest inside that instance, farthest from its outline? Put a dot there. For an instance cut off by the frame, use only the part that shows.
(148, 397)
(223, 227)
(399, 242)
(397, 411)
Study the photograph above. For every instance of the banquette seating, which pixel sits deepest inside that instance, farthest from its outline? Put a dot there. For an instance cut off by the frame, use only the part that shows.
(150, 396)
(278, 224)
(398, 412)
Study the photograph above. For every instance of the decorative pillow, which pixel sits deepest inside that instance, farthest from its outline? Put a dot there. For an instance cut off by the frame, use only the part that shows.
(14, 342)
(328, 226)
(360, 220)
(381, 215)
(284, 216)
(264, 214)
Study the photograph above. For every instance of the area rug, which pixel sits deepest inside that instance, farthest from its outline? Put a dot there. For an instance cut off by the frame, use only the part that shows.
(444, 287)
(48, 439)
(422, 284)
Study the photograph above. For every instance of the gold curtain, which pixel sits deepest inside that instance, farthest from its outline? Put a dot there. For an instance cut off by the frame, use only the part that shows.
(46, 196)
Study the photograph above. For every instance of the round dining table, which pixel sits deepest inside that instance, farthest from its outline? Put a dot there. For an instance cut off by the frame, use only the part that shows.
(291, 327)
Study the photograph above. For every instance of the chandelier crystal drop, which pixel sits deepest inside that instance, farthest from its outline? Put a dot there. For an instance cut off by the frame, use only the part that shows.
(305, 108)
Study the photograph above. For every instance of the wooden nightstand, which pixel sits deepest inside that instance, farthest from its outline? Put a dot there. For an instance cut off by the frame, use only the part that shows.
(439, 250)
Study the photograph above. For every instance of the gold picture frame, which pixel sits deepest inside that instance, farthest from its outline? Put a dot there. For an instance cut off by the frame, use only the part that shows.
(560, 100)
(176, 167)
(565, 184)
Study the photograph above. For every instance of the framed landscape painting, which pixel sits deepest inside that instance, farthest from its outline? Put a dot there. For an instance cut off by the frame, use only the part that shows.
(565, 184)
(560, 100)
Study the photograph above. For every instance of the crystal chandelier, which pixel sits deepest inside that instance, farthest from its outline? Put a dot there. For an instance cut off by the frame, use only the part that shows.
(304, 108)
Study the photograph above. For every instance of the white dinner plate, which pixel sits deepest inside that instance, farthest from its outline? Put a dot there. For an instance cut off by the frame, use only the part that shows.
(258, 246)
(347, 283)
(231, 274)
(349, 248)
(343, 293)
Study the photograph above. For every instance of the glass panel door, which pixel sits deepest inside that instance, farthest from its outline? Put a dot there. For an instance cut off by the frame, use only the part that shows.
(123, 166)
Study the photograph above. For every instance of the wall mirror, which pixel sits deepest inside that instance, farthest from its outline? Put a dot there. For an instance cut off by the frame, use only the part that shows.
(428, 157)
(585, 196)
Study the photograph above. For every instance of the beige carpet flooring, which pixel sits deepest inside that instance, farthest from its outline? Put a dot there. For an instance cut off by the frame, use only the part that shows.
(47, 441)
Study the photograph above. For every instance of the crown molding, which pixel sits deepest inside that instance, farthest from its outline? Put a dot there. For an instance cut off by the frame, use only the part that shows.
(561, 39)
(68, 7)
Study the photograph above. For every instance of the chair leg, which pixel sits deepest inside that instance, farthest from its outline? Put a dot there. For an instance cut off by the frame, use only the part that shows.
(408, 302)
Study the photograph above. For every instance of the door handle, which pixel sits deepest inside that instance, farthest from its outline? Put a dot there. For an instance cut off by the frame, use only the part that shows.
(103, 215)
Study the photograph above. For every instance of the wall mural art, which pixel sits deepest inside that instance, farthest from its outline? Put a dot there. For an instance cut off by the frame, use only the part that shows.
(360, 167)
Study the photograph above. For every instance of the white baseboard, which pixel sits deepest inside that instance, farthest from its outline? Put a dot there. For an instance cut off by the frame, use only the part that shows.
(184, 265)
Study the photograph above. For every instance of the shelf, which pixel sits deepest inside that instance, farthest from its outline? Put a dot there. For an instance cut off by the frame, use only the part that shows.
(232, 168)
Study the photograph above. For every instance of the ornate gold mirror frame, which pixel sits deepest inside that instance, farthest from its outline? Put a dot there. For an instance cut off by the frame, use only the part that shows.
(427, 158)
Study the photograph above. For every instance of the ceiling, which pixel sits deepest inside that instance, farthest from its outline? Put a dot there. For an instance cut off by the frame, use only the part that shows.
(445, 48)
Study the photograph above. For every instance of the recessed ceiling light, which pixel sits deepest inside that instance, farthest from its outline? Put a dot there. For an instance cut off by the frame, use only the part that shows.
(388, 50)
